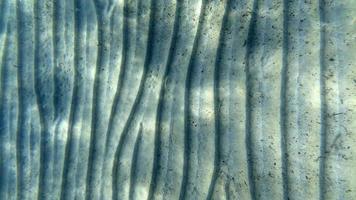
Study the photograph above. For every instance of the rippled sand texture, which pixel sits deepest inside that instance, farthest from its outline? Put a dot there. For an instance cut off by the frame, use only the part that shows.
(177, 99)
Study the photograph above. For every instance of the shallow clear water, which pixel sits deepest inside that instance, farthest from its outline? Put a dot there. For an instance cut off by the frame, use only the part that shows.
(188, 99)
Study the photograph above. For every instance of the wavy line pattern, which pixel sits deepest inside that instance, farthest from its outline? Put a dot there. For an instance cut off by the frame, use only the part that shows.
(177, 99)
